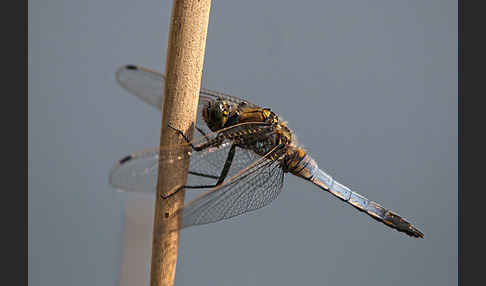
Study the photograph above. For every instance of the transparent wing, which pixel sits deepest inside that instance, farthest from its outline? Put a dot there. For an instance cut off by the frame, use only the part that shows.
(145, 84)
(138, 172)
(148, 85)
(254, 187)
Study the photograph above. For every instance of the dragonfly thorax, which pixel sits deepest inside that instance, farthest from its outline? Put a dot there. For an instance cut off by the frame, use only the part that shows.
(219, 113)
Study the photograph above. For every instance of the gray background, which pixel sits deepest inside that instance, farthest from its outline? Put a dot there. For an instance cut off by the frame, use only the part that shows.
(370, 87)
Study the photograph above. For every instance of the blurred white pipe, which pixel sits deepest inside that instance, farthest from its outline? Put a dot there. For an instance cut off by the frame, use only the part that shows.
(137, 241)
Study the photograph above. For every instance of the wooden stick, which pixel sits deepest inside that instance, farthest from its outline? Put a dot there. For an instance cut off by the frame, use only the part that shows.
(185, 57)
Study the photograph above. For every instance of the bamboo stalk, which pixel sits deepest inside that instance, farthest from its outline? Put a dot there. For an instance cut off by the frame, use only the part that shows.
(185, 58)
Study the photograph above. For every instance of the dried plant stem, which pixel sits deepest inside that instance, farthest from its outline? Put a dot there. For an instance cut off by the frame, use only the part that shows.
(185, 57)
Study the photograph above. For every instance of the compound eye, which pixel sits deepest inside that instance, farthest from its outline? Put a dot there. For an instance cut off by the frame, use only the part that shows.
(216, 112)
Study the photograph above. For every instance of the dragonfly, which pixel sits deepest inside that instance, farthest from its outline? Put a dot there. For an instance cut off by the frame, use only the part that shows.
(239, 158)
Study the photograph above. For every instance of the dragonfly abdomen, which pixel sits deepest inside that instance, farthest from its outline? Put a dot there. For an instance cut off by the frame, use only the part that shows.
(299, 163)
(376, 211)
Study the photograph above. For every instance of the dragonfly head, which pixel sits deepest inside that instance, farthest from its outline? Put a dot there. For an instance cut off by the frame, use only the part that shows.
(216, 113)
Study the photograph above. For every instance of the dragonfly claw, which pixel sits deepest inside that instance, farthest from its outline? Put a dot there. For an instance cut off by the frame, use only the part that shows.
(170, 194)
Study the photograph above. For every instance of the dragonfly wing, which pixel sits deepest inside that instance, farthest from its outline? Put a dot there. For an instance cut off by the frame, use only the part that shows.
(148, 85)
(138, 172)
(215, 94)
(252, 188)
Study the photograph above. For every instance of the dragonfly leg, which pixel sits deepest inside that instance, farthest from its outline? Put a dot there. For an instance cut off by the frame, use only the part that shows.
(227, 164)
(221, 178)
(203, 134)
(170, 194)
(201, 131)
(203, 175)
(179, 132)
(185, 138)
(186, 187)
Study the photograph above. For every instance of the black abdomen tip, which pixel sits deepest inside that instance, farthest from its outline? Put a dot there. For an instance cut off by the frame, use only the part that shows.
(131, 67)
